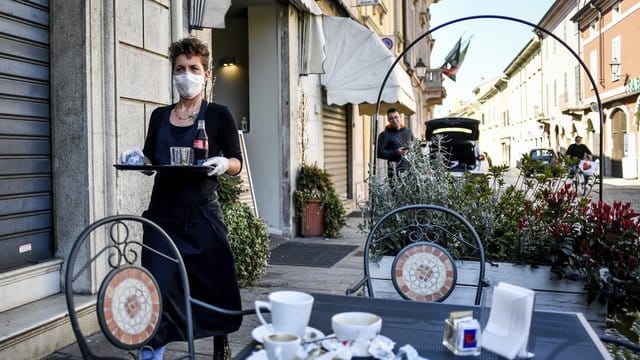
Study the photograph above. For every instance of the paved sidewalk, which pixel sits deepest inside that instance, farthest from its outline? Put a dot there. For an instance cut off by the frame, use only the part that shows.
(334, 280)
(618, 189)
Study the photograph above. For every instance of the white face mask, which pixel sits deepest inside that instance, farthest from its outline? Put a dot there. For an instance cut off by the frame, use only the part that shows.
(188, 85)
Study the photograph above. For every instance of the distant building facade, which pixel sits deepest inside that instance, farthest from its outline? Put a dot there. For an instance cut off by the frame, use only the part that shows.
(608, 37)
(544, 98)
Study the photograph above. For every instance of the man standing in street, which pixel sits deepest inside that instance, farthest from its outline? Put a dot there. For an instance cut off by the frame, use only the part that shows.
(394, 142)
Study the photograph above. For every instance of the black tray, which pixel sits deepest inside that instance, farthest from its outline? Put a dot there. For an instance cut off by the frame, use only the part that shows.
(166, 168)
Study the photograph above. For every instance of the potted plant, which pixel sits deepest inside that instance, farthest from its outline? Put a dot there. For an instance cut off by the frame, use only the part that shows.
(318, 206)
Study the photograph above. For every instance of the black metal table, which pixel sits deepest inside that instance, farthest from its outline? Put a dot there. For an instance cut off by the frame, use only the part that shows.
(554, 335)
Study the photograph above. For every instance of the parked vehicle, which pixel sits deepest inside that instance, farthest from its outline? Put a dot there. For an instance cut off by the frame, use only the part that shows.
(460, 142)
(546, 155)
(537, 160)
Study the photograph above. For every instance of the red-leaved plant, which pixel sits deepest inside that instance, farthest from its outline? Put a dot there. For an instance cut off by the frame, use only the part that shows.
(609, 249)
(595, 242)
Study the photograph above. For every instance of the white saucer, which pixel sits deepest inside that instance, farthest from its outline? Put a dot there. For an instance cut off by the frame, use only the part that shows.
(261, 331)
(258, 355)
(361, 349)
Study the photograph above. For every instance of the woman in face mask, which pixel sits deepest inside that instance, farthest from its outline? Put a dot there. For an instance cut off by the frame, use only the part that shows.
(185, 206)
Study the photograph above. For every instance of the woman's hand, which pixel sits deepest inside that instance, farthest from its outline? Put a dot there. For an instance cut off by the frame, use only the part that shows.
(220, 165)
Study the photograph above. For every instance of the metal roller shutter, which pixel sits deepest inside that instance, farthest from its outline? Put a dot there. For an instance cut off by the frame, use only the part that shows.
(25, 134)
(336, 135)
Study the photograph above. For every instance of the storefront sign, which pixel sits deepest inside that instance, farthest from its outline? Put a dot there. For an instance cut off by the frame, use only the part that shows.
(633, 85)
(368, 2)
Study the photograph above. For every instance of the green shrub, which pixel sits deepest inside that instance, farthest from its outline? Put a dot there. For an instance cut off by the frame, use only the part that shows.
(229, 189)
(249, 242)
(538, 220)
(428, 181)
(314, 183)
(247, 234)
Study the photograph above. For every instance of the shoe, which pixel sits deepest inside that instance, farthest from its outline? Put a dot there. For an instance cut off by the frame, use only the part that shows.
(221, 349)
(152, 354)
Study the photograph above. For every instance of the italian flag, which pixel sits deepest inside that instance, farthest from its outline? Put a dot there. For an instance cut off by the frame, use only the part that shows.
(455, 58)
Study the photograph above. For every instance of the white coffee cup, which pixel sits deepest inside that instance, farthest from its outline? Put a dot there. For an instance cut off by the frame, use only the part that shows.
(281, 346)
(290, 311)
(351, 326)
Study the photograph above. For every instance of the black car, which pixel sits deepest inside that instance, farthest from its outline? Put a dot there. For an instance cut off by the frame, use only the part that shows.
(460, 141)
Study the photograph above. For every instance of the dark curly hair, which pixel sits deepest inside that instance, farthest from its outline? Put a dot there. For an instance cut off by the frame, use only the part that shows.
(190, 46)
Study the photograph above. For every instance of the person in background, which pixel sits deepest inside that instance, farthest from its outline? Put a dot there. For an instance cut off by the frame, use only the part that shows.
(185, 206)
(394, 142)
(579, 150)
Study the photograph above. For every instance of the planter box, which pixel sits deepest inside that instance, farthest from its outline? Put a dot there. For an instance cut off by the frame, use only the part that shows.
(554, 295)
(312, 219)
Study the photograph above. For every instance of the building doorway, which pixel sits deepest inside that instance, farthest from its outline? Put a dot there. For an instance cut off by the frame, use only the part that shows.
(618, 131)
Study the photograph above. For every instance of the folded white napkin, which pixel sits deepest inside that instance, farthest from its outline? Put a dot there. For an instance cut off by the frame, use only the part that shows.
(507, 331)
(408, 352)
(381, 348)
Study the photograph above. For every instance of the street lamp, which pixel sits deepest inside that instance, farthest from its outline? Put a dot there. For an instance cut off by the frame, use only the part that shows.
(420, 70)
(615, 68)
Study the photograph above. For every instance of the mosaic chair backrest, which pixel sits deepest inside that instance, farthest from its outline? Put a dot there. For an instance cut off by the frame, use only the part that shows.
(418, 249)
(129, 304)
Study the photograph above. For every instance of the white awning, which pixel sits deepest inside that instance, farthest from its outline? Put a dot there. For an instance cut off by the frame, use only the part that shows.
(208, 13)
(355, 66)
(312, 43)
(309, 6)
(211, 13)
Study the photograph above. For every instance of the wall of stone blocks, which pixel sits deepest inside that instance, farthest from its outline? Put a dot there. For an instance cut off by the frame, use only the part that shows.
(143, 82)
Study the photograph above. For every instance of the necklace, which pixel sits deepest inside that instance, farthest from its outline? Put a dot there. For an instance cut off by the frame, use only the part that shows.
(188, 114)
(189, 117)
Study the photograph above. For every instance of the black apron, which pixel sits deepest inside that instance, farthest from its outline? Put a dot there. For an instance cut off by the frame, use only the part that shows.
(193, 220)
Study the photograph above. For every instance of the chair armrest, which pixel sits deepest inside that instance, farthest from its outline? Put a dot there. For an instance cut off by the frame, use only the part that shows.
(360, 284)
(620, 342)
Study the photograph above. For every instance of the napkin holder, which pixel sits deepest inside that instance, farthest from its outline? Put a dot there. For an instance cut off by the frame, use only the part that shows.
(507, 331)
(462, 334)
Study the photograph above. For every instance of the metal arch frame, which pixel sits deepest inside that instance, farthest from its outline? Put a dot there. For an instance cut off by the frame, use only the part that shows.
(499, 17)
(123, 260)
(445, 210)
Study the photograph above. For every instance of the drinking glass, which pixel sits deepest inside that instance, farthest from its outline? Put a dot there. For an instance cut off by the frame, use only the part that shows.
(181, 155)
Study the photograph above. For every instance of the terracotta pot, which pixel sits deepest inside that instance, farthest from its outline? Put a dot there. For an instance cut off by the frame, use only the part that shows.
(312, 220)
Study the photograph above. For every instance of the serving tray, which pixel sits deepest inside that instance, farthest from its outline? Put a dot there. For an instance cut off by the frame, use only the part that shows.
(166, 168)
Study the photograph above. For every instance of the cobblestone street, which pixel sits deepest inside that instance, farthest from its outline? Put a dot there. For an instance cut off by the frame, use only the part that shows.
(617, 189)
(614, 189)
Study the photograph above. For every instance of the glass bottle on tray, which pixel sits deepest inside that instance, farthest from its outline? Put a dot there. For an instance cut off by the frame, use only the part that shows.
(200, 144)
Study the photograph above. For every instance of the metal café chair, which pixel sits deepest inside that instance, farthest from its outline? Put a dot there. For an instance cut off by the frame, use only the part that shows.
(129, 304)
(427, 243)
(620, 343)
